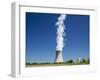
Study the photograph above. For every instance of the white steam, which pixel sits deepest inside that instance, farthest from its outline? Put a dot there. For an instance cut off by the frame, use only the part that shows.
(60, 32)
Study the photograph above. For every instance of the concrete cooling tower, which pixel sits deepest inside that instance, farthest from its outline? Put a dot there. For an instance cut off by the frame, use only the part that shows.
(58, 58)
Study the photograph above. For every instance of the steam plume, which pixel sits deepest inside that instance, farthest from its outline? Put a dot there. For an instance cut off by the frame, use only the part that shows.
(60, 32)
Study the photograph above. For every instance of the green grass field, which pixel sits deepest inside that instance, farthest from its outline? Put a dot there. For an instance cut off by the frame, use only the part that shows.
(53, 64)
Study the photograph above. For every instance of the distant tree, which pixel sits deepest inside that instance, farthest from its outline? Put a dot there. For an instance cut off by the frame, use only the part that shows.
(34, 63)
(70, 61)
(46, 63)
(28, 63)
(83, 61)
(88, 60)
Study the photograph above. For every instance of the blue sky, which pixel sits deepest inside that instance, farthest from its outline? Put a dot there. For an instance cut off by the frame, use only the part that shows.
(41, 37)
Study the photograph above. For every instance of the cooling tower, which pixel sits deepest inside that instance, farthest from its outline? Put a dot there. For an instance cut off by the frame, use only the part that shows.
(58, 58)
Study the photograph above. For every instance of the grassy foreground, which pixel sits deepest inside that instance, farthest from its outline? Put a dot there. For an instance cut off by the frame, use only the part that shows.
(53, 64)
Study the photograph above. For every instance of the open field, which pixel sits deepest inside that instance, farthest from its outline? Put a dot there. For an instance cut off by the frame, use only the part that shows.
(53, 64)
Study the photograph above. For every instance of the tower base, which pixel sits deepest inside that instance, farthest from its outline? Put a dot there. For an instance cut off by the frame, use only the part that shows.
(58, 58)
